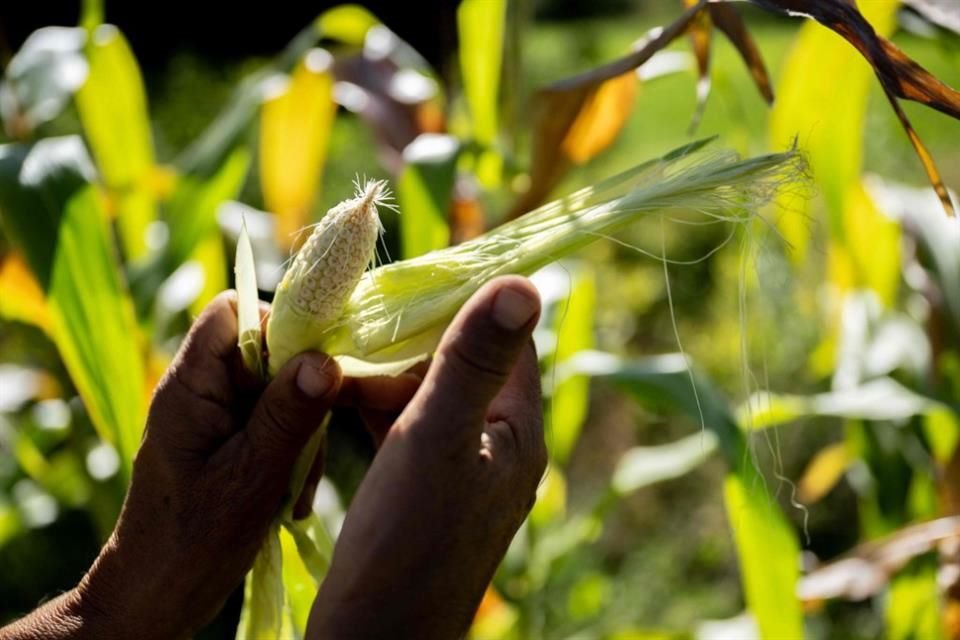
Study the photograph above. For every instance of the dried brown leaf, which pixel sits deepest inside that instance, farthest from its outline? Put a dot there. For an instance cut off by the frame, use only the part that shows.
(728, 21)
(578, 117)
(868, 568)
(900, 76)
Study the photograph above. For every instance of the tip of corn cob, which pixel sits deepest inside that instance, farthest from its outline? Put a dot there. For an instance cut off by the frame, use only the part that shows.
(325, 272)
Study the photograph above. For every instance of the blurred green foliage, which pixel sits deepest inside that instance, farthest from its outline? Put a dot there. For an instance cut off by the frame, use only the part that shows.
(639, 525)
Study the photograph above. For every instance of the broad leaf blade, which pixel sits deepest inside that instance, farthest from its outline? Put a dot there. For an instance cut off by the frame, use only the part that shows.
(53, 214)
(769, 556)
(112, 105)
(480, 26)
(900, 76)
(425, 192)
(295, 131)
(570, 398)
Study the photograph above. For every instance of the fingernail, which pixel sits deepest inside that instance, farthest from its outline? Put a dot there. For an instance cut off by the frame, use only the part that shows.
(312, 380)
(513, 308)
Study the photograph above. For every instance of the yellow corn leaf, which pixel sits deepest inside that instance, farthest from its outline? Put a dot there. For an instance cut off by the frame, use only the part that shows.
(873, 245)
(112, 105)
(21, 298)
(823, 472)
(480, 25)
(495, 617)
(823, 74)
(294, 136)
(572, 126)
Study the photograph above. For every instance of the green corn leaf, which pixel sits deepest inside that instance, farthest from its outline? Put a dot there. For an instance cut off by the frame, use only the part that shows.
(570, 399)
(192, 212)
(766, 545)
(913, 602)
(52, 213)
(112, 105)
(880, 399)
(643, 466)
(347, 23)
(263, 616)
(481, 27)
(424, 192)
(769, 555)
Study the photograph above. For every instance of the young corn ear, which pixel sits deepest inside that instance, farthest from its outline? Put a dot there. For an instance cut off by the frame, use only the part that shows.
(324, 274)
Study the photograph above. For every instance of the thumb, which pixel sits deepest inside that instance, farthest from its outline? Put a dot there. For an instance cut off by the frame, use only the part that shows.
(476, 355)
(291, 409)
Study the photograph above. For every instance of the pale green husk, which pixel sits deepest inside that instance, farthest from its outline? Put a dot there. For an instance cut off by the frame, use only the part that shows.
(398, 312)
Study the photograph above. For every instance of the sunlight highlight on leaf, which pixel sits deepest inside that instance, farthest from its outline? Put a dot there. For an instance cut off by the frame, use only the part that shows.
(112, 105)
(295, 131)
(480, 25)
(53, 213)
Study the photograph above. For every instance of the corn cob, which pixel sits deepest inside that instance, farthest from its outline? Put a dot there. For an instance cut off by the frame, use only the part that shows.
(324, 273)
(380, 322)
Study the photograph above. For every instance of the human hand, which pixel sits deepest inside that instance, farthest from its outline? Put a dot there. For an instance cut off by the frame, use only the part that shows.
(453, 480)
(211, 475)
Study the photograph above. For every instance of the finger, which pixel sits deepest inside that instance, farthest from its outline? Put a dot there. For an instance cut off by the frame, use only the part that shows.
(379, 393)
(207, 359)
(515, 416)
(304, 504)
(291, 409)
(475, 358)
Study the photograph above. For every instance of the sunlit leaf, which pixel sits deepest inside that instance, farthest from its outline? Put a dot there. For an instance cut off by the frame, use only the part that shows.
(112, 105)
(263, 597)
(570, 398)
(578, 117)
(942, 428)
(41, 78)
(880, 399)
(834, 145)
(913, 602)
(769, 555)
(823, 472)
(551, 504)
(425, 192)
(21, 298)
(348, 23)
(900, 76)
(480, 26)
(192, 210)
(295, 128)
(299, 587)
(248, 305)
(642, 466)
(53, 214)
(495, 618)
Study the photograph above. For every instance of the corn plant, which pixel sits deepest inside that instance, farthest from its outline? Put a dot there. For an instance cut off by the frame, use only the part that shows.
(97, 272)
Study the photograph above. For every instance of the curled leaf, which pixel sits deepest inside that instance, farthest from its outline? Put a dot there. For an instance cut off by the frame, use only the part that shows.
(900, 76)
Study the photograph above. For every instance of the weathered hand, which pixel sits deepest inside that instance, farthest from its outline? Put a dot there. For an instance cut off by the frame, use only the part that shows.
(451, 484)
(212, 473)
